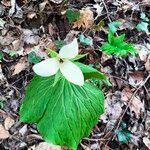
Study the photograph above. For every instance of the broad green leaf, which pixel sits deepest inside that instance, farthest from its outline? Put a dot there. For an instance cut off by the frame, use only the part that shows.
(143, 26)
(114, 25)
(90, 72)
(79, 57)
(51, 52)
(64, 113)
(72, 15)
(33, 58)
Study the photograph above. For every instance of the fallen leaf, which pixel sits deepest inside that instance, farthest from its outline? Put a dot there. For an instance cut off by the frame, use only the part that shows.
(2, 22)
(43, 5)
(136, 105)
(147, 64)
(23, 130)
(4, 134)
(29, 37)
(113, 108)
(143, 51)
(99, 9)
(56, 1)
(47, 146)
(31, 15)
(136, 78)
(146, 141)
(8, 123)
(20, 66)
(86, 19)
(7, 40)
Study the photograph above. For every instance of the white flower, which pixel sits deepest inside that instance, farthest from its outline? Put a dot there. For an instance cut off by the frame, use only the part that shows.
(68, 69)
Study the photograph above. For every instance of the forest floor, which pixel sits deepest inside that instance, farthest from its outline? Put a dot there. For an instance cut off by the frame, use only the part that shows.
(27, 27)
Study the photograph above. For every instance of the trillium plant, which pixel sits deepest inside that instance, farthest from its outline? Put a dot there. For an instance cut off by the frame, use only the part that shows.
(62, 62)
(61, 100)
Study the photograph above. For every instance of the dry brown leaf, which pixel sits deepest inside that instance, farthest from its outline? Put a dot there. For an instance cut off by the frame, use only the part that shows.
(47, 146)
(147, 64)
(6, 40)
(86, 19)
(136, 105)
(30, 37)
(23, 130)
(43, 5)
(136, 78)
(146, 141)
(56, 1)
(31, 15)
(143, 51)
(8, 123)
(20, 66)
(4, 134)
(113, 108)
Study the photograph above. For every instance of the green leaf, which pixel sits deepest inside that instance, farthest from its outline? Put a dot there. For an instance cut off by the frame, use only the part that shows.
(115, 40)
(59, 43)
(33, 58)
(64, 113)
(143, 17)
(51, 52)
(143, 26)
(85, 40)
(1, 104)
(1, 55)
(114, 25)
(117, 46)
(79, 57)
(124, 135)
(90, 72)
(99, 26)
(72, 15)
(12, 53)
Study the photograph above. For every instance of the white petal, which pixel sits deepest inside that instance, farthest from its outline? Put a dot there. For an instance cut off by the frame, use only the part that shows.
(69, 51)
(72, 73)
(47, 67)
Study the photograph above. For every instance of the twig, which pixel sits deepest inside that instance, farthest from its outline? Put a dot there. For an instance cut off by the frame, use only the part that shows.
(106, 10)
(131, 101)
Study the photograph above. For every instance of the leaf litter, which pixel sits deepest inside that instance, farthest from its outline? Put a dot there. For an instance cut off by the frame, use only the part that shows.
(31, 27)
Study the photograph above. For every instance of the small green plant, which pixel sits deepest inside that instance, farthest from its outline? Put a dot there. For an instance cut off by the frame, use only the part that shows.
(72, 15)
(117, 46)
(143, 25)
(87, 41)
(1, 56)
(113, 26)
(33, 58)
(123, 134)
(60, 100)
